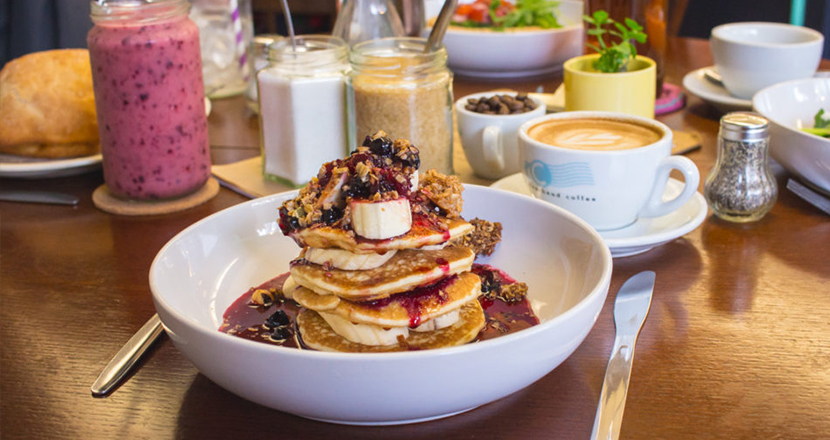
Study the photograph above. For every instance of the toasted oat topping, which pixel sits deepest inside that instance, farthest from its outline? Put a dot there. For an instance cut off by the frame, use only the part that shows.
(484, 238)
(443, 191)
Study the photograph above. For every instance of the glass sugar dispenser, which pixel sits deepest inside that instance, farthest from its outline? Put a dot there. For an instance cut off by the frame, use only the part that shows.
(741, 186)
(302, 106)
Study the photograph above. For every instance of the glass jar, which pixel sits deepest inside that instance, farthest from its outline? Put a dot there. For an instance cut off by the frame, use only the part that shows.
(258, 60)
(741, 186)
(362, 20)
(395, 87)
(149, 96)
(226, 27)
(302, 106)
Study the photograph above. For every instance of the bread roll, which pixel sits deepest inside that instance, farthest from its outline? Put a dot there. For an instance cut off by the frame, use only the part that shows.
(47, 106)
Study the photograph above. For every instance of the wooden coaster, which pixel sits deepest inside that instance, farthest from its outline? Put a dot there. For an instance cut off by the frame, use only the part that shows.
(105, 201)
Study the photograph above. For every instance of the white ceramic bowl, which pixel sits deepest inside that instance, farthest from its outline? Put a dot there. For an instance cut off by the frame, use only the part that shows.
(754, 55)
(790, 106)
(515, 53)
(202, 270)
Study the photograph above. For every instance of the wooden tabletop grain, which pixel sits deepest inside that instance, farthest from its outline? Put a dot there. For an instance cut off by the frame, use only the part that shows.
(737, 344)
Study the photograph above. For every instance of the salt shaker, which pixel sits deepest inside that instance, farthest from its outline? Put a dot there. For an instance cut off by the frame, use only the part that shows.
(741, 187)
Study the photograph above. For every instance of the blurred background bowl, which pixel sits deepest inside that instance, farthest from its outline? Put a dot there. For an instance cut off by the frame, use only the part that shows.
(517, 52)
(201, 271)
(790, 106)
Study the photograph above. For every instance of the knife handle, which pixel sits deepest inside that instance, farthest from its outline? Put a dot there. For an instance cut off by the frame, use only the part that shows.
(614, 389)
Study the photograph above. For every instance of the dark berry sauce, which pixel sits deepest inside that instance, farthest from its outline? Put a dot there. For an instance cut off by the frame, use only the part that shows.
(415, 300)
(268, 325)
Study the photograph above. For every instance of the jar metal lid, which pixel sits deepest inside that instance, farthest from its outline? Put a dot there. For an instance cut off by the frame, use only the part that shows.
(260, 43)
(744, 126)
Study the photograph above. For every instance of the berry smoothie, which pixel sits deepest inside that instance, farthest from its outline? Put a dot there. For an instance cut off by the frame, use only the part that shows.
(150, 101)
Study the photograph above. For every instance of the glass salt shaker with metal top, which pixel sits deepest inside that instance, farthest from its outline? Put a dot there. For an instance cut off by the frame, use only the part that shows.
(741, 186)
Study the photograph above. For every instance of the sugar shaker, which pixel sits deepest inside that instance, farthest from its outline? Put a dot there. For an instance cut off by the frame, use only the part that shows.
(741, 186)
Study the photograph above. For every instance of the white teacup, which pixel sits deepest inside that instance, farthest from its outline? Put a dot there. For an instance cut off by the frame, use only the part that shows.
(753, 55)
(607, 168)
(490, 141)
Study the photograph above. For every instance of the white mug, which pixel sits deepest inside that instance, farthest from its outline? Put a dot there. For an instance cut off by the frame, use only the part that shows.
(608, 188)
(490, 141)
(753, 55)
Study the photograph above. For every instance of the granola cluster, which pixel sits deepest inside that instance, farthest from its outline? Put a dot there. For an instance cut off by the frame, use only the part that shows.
(484, 238)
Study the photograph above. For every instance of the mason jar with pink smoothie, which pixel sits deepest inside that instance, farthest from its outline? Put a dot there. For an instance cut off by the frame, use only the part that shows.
(149, 95)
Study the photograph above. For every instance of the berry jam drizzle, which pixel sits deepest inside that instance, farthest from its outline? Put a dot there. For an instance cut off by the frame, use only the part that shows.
(244, 320)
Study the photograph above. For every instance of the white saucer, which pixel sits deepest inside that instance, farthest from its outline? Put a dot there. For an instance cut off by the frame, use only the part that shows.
(645, 233)
(696, 83)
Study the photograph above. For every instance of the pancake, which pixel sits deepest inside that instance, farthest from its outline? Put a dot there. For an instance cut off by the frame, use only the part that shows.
(404, 271)
(404, 309)
(421, 234)
(317, 334)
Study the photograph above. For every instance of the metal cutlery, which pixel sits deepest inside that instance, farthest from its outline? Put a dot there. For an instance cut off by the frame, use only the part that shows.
(630, 311)
(812, 197)
(123, 361)
(47, 197)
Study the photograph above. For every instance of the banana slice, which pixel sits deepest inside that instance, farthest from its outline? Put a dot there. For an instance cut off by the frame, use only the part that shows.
(288, 287)
(434, 247)
(346, 260)
(413, 180)
(381, 220)
(365, 334)
(439, 322)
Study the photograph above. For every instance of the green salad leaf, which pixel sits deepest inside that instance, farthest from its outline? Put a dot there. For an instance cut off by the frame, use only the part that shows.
(821, 125)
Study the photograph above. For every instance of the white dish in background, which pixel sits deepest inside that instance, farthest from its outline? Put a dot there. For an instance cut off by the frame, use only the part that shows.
(515, 53)
(695, 82)
(645, 233)
(32, 168)
(202, 270)
(790, 106)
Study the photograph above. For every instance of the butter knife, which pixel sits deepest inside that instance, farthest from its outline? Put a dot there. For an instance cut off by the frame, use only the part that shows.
(630, 311)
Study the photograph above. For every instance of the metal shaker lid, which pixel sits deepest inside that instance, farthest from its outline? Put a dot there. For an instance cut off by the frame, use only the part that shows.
(744, 126)
(260, 43)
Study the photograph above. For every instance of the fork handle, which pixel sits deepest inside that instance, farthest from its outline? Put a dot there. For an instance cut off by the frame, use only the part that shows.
(123, 361)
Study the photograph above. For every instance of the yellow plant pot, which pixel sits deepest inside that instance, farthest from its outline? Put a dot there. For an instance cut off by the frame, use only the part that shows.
(631, 92)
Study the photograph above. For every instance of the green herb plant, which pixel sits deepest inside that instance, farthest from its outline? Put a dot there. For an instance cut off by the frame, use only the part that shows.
(614, 57)
(821, 127)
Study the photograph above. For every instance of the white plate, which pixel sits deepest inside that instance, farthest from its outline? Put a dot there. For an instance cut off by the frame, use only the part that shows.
(696, 83)
(645, 233)
(29, 168)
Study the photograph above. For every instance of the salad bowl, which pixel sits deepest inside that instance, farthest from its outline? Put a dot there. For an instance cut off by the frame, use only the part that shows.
(202, 270)
(791, 106)
(482, 52)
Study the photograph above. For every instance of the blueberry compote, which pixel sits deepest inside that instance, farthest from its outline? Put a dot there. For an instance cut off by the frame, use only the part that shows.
(274, 324)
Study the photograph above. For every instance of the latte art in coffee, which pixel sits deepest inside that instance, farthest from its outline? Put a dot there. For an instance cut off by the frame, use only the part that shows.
(594, 134)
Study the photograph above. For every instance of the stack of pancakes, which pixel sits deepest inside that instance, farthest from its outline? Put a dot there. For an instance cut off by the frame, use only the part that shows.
(408, 292)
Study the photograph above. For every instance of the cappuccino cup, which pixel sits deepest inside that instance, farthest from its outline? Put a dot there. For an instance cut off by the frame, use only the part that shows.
(753, 55)
(490, 142)
(608, 168)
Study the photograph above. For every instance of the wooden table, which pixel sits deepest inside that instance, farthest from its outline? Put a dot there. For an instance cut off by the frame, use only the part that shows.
(737, 345)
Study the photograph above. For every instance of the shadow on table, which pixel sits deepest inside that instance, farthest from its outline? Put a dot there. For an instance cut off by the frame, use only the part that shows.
(560, 402)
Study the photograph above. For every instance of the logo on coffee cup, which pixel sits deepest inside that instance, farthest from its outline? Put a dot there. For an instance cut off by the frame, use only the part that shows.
(561, 176)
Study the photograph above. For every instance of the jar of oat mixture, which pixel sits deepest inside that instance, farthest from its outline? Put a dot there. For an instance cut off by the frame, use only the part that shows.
(395, 87)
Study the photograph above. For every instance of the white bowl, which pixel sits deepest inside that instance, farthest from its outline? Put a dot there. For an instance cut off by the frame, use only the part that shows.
(790, 106)
(515, 53)
(754, 55)
(202, 270)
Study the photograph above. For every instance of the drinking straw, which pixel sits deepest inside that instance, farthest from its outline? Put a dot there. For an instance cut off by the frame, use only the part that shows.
(240, 40)
(797, 12)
